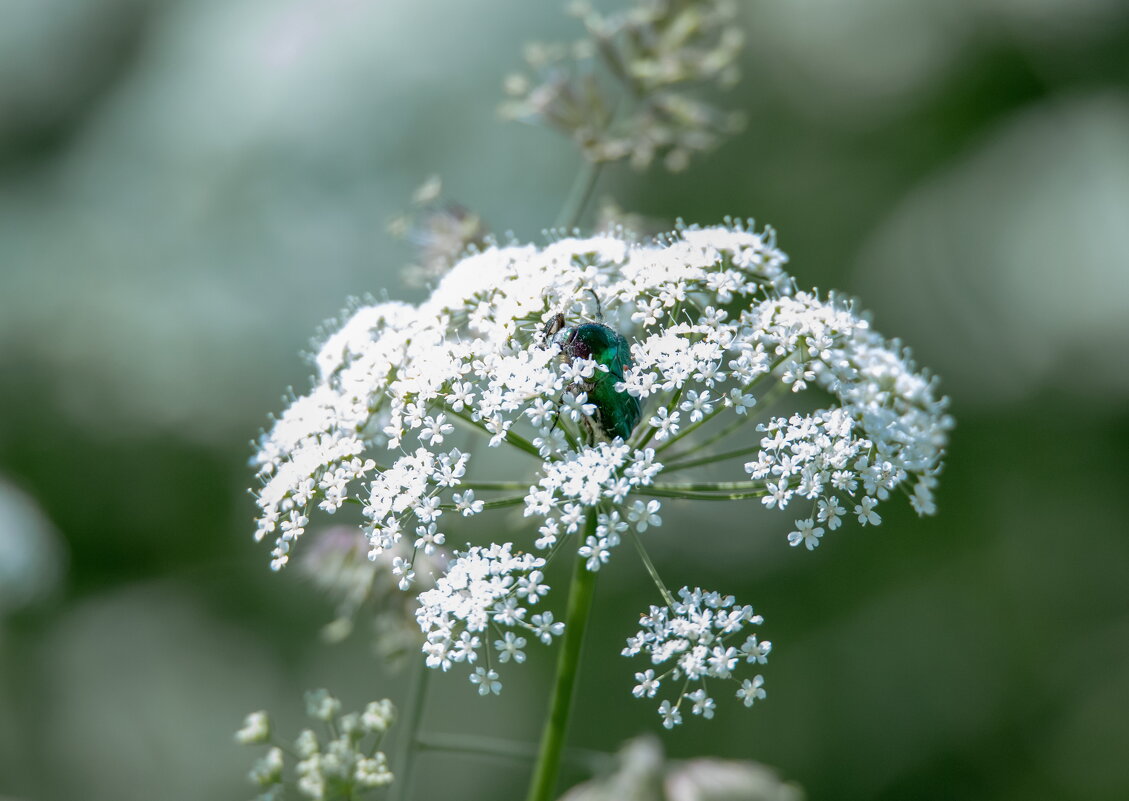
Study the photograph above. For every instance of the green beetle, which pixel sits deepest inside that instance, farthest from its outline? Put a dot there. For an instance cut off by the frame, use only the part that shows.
(617, 413)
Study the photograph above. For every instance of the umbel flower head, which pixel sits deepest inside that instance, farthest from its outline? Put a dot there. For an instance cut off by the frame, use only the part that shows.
(347, 764)
(604, 365)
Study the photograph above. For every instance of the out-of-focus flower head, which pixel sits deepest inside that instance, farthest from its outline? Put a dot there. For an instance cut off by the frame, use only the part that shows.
(338, 563)
(642, 773)
(32, 556)
(440, 230)
(630, 90)
(345, 763)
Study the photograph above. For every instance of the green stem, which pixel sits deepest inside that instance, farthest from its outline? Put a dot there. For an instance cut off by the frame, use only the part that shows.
(717, 457)
(710, 486)
(651, 429)
(580, 595)
(516, 440)
(651, 569)
(494, 485)
(569, 438)
(764, 403)
(478, 746)
(712, 438)
(689, 429)
(497, 503)
(409, 734)
(659, 492)
(579, 195)
(497, 748)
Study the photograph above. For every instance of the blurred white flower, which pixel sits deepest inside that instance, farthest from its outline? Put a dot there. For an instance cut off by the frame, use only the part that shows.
(642, 773)
(346, 765)
(31, 553)
(974, 257)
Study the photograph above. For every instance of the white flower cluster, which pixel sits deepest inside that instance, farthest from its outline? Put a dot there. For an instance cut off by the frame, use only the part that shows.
(606, 472)
(484, 587)
(395, 374)
(345, 767)
(889, 429)
(714, 324)
(695, 638)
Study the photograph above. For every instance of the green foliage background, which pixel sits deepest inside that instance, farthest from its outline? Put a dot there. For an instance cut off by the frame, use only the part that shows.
(188, 188)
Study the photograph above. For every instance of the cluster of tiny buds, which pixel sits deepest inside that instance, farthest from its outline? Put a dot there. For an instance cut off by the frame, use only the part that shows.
(348, 763)
(655, 52)
(701, 636)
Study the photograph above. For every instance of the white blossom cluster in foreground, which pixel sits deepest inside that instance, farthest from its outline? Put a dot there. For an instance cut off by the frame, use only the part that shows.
(484, 587)
(695, 637)
(716, 327)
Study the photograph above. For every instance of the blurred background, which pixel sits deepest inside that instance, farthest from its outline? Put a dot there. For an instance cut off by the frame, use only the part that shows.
(188, 188)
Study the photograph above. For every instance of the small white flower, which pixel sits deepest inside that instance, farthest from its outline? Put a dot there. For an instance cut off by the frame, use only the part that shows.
(751, 690)
(796, 375)
(548, 534)
(807, 533)
(256, 729)
(531, 587)
(922, 499)
(541, 412)
(576, 370)
(697, 404)
(487, 681)
(402, 569)
(754, 651)
(702, 704)
(428, 538)
(571, 517)
(596, 550)
(866, 513)
(670, 715)
(831, 512)
(509, 647)
(435, 428)
(575, 407)
(665, 423)
(739, 400)
(428, 509)
(321, 705)
(648, 685)
(461, 395)
(268, 770)
(545, 628)
(378, 716)
(466, 504)
(372, 771)
(306, 745)
(778, 494)
(644, 515)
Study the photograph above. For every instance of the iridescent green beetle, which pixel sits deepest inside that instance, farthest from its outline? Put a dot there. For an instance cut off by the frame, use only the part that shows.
(617, 413)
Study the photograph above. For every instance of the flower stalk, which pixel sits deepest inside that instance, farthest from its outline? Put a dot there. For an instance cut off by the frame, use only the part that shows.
(411, 736)
(580, 594)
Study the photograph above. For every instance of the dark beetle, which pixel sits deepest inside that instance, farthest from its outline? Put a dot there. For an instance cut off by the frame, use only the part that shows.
(617, 413)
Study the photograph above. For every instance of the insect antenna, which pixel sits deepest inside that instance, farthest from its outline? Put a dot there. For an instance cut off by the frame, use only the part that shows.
(599, 309)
